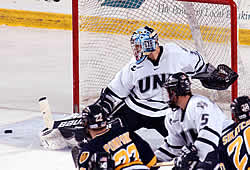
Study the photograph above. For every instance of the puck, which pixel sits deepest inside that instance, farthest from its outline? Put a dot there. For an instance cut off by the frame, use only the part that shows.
(8, 131)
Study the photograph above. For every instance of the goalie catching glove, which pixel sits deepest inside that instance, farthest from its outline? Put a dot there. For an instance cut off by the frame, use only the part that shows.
(219, 78)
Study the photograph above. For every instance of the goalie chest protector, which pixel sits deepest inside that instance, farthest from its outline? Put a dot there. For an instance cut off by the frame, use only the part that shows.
(141, 83)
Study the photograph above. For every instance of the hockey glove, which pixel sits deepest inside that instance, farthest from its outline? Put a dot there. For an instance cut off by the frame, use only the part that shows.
(102, 161)
(109, 101)
(188, 158)
(218, 79)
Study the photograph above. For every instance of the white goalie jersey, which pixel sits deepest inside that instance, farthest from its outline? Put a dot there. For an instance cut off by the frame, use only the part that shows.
(140, 83)
(200, 124)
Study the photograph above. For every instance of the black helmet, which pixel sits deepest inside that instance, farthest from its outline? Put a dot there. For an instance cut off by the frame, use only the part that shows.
(95, 116)
(178, 83)
(240, 108)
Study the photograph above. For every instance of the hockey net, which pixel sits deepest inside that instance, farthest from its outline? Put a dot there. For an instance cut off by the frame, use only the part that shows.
(102, 30)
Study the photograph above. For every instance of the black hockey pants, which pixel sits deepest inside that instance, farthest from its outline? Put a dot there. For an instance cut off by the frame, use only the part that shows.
(134, 120)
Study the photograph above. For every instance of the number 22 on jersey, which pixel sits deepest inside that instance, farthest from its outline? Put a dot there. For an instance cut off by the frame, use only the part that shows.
(125, 156)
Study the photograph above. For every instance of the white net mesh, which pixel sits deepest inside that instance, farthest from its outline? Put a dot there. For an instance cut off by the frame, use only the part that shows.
(106, 27)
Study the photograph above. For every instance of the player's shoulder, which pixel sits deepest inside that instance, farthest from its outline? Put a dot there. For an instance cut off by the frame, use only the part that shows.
(84, 156)
(172, 119)
(172, 114)
(200, 98)
(172, 47)
(171, 50)
(111, 133)
(229, 128)
(85, 146)
(200, 102)
(131, 66)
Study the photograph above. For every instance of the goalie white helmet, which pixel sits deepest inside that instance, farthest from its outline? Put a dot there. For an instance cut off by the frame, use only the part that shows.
(143, 42)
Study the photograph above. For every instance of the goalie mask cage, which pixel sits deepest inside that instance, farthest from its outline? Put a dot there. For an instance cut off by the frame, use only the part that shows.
(102, 31)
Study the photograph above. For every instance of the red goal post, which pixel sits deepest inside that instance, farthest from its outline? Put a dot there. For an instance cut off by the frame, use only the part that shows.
(98, 25)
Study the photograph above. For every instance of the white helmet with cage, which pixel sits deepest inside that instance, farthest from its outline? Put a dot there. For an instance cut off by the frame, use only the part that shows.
(143, 42)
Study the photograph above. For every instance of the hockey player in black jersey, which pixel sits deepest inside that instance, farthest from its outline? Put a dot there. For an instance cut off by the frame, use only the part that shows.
(135, 94)
(126, 149)
(195, 125)
(234, 148)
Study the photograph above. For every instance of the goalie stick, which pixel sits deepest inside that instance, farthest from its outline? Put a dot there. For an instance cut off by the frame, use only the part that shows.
(46, 112)
(48, 118)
